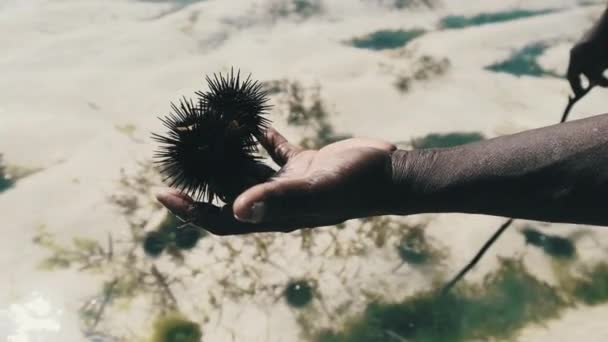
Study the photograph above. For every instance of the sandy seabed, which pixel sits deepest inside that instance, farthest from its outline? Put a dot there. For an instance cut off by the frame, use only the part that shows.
(83, 82)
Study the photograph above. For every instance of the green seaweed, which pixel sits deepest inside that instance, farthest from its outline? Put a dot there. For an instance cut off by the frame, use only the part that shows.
(303, 9)
(414, 249)
(523, 62)
(155, 243)
(438, 140)
(593, 288)
(171, 232)
(312, 117)
(553, 245)
(306, 8)
(299, 293)
(460, 21)
(506, 302)
(6, 182)
(176, 328)
(386, 39)
(401, 4)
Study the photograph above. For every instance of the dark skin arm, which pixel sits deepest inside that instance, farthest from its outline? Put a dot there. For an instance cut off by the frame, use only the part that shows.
(556, 174)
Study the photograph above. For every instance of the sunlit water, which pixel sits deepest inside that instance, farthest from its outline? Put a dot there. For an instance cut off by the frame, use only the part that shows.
(88, 210)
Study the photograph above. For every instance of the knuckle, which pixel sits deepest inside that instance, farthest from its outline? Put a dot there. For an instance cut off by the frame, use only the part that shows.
(285, 150)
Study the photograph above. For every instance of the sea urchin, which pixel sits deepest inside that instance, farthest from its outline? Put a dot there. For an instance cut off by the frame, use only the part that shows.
(210, 149)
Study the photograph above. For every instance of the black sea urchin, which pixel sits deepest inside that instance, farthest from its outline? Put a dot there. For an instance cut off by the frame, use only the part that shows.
(210, 149)
(240, 104)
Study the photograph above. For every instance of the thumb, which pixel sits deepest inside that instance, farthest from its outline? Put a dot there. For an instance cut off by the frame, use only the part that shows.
(275, 200)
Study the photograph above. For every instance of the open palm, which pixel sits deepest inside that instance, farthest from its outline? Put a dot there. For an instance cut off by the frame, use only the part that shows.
(343, 180)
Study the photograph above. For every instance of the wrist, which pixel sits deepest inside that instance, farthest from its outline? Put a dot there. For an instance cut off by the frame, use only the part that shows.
(415, 181)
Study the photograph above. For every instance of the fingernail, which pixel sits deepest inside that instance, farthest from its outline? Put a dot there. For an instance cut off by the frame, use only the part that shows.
(255, 214)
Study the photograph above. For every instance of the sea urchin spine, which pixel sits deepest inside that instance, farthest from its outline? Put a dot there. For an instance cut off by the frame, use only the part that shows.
(210, 149)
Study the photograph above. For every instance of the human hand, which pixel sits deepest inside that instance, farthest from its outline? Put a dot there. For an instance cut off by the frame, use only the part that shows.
(589, 57)
(347, 179)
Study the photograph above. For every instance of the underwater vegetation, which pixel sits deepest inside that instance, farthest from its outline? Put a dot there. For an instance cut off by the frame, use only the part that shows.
(523, 62)
(459, 21)
(5, 181)
(172, 234)
(592, 289)
(415, 249)
(386, 39)
(303, 9)
(400, 4)
(305, 109)
(553, 245)
(84, 252)
(176, 328)
(439, 140)
(504, 303)
(425, 68)
(299, 293)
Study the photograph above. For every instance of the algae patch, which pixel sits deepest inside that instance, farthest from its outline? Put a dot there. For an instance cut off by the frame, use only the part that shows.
(592, 289)
(553, 245)
(504, 303)
(176, 328)
(460, 21)
(523, 62)
(386, 39)
(173, 236)
(5, 180)
(299, 293)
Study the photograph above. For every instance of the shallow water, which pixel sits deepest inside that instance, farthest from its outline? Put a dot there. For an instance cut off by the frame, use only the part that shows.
(84, 82)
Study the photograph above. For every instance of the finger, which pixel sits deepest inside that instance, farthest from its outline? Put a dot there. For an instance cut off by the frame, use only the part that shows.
(178, 203)
(574, 79)
(575, 70)
(219, 221)
(258, 173)
(275, 201)
(278, 147)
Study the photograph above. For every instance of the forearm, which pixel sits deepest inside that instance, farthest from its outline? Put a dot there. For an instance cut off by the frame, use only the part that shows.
(558, 173)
